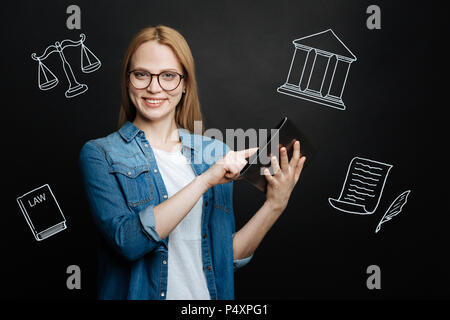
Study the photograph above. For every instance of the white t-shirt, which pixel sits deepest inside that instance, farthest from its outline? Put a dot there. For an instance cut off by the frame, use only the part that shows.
(186, 278)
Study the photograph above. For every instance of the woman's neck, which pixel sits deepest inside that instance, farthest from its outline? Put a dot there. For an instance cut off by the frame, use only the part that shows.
(161, 134)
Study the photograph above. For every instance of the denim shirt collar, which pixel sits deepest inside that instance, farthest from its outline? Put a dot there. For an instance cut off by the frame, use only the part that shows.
(129, 131)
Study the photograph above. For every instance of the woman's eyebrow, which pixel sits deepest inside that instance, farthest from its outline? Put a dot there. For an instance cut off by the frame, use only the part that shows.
(145, 69)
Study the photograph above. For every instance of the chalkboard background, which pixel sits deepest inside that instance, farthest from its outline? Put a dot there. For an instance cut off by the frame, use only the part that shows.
(242, 50)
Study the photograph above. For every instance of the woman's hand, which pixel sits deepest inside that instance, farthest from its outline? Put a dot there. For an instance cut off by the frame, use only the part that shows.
(281, 184)
(228, 168)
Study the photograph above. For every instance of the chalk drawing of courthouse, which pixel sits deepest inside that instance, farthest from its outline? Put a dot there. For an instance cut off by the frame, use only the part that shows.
(319, 69)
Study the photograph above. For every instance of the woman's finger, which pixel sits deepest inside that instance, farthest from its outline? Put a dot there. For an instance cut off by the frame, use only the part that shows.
(299, 168)
(226, 179)
(242, 164)
(247, 152)
(269, 178)
(275, 165)
(235, 177)
(296, 154)
(232, 175)
(233, 168)
(284, 158)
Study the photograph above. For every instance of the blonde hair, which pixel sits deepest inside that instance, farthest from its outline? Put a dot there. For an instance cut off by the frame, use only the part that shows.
(188, 109)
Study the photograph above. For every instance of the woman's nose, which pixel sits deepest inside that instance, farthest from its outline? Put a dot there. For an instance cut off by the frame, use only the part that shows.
(154, 85)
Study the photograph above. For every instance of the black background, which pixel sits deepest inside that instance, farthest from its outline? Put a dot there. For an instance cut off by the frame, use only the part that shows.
(395, 99)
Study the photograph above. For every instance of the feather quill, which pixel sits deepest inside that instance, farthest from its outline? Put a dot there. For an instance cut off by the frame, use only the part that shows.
(394, 209)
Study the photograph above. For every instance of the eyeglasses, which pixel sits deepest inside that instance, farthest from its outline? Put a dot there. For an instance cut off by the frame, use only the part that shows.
(168, 80)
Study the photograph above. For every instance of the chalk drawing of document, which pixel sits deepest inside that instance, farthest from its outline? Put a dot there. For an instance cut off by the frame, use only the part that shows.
(363, 187)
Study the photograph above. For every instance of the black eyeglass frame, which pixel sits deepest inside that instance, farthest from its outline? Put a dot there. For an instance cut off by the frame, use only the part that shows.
(157, 77)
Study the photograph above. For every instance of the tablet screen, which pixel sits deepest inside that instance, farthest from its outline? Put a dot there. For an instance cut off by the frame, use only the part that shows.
(284, 135)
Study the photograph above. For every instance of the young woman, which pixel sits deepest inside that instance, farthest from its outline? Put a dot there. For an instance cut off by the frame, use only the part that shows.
(160, 198)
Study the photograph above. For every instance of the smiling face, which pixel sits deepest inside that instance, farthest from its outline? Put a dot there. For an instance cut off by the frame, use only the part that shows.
(153, 102)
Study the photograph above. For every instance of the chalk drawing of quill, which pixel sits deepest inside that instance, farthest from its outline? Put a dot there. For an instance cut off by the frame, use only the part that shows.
(394, 209)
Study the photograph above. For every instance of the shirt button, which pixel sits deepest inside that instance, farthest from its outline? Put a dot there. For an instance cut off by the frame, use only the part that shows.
(129, 173)
(206, 203)
(165, 196)
(155, 171)
(146, 145)
(162, 294)
(164, 261)
(205, 235)
(208, 268)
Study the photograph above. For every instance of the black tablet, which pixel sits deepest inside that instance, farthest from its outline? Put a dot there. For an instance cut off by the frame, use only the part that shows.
(284, 135)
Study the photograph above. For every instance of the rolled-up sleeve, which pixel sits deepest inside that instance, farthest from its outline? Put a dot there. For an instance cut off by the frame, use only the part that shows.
(239, 263)
(131, 235)
(147, 218)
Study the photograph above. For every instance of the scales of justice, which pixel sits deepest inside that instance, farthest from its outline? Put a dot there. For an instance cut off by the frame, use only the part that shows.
(89, 63)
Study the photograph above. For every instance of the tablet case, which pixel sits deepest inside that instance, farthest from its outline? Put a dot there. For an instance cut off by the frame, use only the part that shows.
(285, 133)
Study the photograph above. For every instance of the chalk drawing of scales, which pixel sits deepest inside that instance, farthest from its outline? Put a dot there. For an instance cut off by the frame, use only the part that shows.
(89, 63)
(319, 69)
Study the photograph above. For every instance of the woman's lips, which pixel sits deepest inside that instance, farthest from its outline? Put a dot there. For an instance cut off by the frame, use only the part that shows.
(153, 103)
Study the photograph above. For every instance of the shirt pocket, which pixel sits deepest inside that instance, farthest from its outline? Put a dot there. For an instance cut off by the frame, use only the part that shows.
(135, 182)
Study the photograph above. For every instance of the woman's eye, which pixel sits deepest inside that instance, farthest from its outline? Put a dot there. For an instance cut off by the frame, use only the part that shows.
(168, 76)
(140, 74)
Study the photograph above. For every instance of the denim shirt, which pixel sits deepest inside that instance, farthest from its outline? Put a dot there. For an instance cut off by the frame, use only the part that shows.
(123, 185)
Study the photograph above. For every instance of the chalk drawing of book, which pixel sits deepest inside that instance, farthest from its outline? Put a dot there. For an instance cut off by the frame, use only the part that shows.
(42, 212)
(319, 69)
(363, 187)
